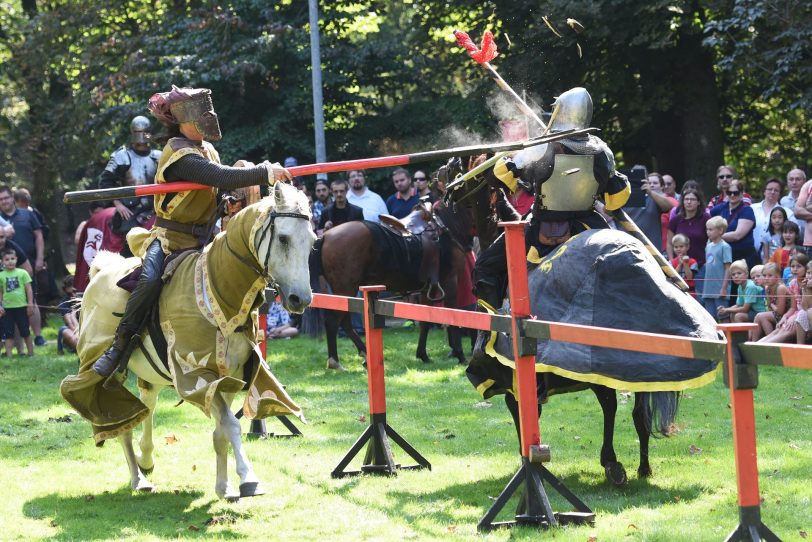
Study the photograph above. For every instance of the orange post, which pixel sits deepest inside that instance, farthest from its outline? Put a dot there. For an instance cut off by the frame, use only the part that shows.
(374, 336)
(741, 380)
(520, 310)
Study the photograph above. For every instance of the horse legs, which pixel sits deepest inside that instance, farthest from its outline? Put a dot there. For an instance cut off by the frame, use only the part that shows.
(615, 472)
(421, 353)
(331, 329)
(138, 481)
(346, 325)
(455, 343)
(643, 429)
(149, 396)
(227, 431)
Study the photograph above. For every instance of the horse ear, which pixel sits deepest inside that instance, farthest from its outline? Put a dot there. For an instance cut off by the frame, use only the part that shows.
(277, 193)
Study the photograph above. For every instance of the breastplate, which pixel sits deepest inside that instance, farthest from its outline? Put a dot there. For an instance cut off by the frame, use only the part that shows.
(142, 170)
(572, 185)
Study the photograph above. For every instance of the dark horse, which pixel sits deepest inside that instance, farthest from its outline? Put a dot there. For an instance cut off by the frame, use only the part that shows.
(653, 413)
(350, 255)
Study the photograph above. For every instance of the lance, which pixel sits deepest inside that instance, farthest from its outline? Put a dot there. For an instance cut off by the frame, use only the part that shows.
(101, 194)
(487, 52)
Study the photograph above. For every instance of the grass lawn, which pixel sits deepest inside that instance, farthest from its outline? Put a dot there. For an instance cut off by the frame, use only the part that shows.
(58, 485)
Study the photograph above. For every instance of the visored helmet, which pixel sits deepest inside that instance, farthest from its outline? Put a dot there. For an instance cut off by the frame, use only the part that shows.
(141, 130)
(572, 110)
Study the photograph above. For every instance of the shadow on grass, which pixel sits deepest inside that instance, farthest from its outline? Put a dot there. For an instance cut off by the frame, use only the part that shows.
(113, 514)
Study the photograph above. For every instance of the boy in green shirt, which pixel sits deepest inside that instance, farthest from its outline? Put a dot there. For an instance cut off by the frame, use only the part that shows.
(750, 300)
(16, 302)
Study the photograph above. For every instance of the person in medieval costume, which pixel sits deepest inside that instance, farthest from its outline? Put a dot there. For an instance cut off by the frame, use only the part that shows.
(567, 177)
(132, 165)
(184, 219)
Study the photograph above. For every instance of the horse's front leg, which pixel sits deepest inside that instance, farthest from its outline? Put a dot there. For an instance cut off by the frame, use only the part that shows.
(149, 396)
(138, 481)
(421, 353)
(228, 431)
(615, 472)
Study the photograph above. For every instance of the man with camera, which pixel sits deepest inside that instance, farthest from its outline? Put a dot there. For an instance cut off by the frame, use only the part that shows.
(646, 212)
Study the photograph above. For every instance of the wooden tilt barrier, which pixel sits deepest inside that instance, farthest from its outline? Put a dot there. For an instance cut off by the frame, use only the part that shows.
(741, 360)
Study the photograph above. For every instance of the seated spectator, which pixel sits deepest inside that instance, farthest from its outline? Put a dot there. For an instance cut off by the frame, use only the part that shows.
(68, 334)
(279, 323)
(803, 330)
(785, 328)
(749, 302)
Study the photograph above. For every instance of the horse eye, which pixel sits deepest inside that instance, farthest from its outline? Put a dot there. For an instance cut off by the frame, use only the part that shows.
(283, 239)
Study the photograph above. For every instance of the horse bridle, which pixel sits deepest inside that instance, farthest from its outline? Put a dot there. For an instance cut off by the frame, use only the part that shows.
(269, 229)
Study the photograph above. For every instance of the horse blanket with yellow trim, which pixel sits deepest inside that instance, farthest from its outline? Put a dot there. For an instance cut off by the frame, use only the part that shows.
(603, 278)
(210, 326)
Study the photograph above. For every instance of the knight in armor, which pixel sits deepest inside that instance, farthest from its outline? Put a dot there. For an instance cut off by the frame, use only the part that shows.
(567, 177)
(184, 219)
(132, 165)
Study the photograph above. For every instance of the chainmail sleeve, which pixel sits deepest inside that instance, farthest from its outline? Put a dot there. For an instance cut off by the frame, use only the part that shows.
(197, 169)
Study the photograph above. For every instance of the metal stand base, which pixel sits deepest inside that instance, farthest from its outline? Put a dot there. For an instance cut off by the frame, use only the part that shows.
(378, 458)
(750, 528)
(259, 431)
(535, 508)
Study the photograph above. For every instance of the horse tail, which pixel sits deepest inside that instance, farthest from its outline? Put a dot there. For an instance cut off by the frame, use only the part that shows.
(313, 319)
(102, 260)
(659, 411)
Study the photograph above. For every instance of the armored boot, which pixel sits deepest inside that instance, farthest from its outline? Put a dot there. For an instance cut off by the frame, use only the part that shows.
(142, 300)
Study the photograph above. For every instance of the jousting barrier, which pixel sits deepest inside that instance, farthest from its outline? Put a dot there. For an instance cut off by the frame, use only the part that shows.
(740, 375)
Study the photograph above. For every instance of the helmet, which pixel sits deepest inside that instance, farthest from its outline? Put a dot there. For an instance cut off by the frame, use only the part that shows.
(572, 110)
(141, 130)
(196, 107)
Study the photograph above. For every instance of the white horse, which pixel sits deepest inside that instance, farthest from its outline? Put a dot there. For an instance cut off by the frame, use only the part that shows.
(207, 313)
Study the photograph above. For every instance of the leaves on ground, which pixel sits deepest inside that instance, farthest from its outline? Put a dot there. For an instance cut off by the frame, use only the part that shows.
(694, 450)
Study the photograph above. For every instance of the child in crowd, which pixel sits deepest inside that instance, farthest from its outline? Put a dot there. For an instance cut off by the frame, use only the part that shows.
(750, 300)
(718, 257)
(772, 241)
(684, 264)
(785, 329)
(790, 239)
(777, 298)
(802, 326)
(16, 302)
(757, 276)
(279, 323)
(68, 334)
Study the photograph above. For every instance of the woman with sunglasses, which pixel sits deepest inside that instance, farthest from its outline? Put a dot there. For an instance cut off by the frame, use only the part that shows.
(724, 175)
(741, 221)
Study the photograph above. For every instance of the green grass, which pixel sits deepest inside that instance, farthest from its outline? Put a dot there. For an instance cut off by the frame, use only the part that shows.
(57, 485)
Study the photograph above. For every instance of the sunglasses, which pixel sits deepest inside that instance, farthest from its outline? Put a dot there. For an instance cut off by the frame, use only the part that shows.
(734, 193)
(723, 176)
(419, 178)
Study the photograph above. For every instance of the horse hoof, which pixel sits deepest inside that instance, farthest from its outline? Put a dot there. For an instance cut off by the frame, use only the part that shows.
(144, 486)
(335, 365)
(146, 472)
(644, 472)
(616, 474)
(251, 489)
(424, 358)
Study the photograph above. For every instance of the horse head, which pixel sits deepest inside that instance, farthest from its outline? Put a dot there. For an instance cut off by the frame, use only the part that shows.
(276, 231)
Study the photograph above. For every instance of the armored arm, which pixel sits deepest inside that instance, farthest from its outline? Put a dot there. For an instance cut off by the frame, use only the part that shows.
(197, 169)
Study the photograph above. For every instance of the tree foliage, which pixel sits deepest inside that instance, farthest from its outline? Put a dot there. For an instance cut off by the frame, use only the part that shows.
(679, 85)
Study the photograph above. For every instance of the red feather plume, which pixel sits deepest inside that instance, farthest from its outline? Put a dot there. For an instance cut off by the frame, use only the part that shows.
(485, 53)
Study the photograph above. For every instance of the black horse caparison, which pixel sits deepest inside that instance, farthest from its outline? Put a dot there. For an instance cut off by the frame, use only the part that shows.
(653, 413)
(348, 257)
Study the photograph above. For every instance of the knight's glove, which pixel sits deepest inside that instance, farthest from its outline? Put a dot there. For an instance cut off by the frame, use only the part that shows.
(507, 173)
(276, 172)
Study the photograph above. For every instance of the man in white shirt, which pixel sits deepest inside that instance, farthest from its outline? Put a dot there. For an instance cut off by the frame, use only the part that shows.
(795, 180)
(372, 204)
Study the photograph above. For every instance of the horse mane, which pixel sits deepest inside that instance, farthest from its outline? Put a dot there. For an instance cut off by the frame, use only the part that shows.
(459, 222)
(103, 259)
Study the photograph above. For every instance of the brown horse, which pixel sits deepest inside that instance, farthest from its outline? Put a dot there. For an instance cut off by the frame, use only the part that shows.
(351, 255)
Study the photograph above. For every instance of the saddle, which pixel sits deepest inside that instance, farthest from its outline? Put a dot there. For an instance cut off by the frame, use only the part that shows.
(424, 225)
